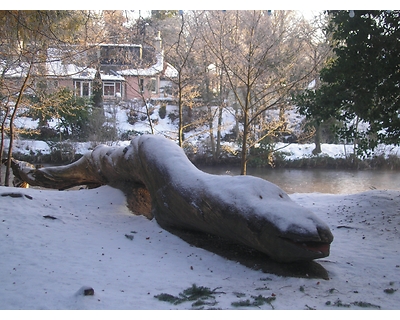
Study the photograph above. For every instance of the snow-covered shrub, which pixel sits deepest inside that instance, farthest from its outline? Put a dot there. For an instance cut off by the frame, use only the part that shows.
(62, 152)
(162, 112)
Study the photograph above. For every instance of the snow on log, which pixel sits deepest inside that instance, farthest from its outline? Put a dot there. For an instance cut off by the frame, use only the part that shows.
(245, 209)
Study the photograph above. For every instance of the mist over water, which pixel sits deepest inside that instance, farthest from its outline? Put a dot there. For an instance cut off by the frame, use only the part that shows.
(320, 180)
(311, 180)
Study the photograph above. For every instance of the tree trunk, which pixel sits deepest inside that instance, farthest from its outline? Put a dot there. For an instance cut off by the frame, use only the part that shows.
(211, 131)
(13, 115)
(317, 139)
(244, 209)
(243, 160)
(246, 129)
(220, 113)
(180, 110)
(218, 151)
(3, 128)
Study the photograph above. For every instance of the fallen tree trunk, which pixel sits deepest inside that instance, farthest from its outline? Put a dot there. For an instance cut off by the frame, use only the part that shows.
(168, 187)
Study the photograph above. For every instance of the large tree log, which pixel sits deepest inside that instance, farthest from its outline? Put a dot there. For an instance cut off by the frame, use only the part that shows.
(245, 209)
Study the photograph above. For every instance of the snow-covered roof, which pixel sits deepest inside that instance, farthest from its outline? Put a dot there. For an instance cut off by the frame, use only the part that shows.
(170, 71)
(89, 74)
(151, 71)
(119, 45)
(17, 71)
(56, 68)
(111, 77)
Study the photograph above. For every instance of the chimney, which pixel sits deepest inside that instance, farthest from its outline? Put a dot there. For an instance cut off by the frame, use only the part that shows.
(158, 42)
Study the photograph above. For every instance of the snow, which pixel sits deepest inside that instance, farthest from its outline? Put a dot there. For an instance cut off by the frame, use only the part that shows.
(298, 151)
(252, 199)
(56, 67)
(198, 137)
(151, 71)
(253, 196)
(170, 71)
(59, 69)
(24, 146)
(46, 262)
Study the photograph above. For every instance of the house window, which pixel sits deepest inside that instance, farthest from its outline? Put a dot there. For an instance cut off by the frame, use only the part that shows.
(85, 89)
(118, 89)
(82, 88)
(77, 87)
(141, 85)
(109, 89)
(153, 85)
(112, 89)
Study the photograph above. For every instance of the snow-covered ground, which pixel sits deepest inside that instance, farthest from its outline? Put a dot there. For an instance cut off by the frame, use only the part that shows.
(95, 242)
(198, 137)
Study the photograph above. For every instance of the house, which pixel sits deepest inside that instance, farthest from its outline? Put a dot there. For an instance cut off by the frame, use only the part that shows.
(122, 72)
(125, 73)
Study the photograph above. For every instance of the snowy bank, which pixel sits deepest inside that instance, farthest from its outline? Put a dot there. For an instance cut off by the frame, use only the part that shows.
(196, 140)
(53, 243)
(37, 149)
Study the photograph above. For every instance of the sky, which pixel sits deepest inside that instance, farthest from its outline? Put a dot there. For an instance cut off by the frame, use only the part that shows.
(207, 4)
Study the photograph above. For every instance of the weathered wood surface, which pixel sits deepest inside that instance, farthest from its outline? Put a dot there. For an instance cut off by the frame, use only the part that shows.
(161, 182)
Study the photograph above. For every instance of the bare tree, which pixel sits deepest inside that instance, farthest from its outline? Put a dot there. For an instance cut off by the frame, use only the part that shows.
(317, 50)
(213, 87)
(261, 55)
(30, 40)
(186, 53)
(180, 50)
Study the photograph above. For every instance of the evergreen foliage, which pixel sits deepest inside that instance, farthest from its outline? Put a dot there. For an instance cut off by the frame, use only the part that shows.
(97, 90)
(162, 112)
(72, 113)
(199, 294)
(361, 84)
